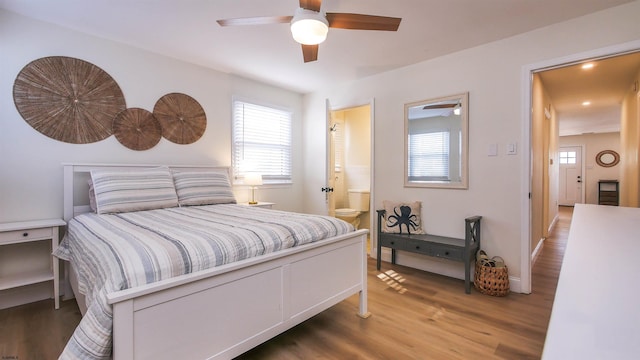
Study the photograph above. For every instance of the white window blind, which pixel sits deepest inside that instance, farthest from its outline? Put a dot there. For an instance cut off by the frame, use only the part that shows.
(261, 142)
(429, 159)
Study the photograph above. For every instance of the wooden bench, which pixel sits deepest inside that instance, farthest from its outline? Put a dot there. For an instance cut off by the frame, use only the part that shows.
(463, 250)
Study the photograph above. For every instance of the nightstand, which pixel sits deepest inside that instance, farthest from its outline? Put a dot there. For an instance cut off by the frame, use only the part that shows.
(266, 205)
(29, 231)
(608, 192)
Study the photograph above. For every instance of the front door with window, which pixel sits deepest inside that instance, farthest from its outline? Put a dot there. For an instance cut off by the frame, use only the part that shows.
(570, 176)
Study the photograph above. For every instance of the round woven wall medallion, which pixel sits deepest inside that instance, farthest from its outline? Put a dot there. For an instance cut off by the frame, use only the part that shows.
(182, 118)
(607, 158)
(137, 129)
(68, 99)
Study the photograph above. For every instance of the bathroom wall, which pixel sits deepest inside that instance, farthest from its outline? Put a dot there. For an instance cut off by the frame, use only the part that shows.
(357, 154)
(339, 195)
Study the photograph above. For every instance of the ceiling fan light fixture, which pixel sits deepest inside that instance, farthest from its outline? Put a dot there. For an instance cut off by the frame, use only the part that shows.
(309, 27)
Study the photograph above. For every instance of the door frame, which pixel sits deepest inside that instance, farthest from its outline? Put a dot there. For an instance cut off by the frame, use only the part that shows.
(526, 170)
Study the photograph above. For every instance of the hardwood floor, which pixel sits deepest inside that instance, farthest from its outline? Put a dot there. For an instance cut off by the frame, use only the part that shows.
(420, 315)
(416, 315)
(37, 331)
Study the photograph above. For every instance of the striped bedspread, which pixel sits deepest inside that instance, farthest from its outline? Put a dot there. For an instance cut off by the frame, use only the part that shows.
(121, 251)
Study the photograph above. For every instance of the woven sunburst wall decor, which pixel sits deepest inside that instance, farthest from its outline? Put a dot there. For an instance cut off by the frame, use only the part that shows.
(68, 99)
(182, 118)
(137, 129)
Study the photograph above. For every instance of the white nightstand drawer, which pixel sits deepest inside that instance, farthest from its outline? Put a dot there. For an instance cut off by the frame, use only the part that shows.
(17, 236)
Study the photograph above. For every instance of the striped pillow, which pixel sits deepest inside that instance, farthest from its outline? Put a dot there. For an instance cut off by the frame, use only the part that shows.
(203, 187)
(133, 190)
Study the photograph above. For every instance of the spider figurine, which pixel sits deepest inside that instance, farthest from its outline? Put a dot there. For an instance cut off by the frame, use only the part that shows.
(404, 218)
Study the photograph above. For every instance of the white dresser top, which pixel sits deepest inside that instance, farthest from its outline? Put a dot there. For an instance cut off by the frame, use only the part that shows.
(596, 311)
(25, 225)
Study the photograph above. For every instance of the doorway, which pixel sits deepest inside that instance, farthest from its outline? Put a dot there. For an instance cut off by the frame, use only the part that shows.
(349, 165)
(571, 178)
(540, 158)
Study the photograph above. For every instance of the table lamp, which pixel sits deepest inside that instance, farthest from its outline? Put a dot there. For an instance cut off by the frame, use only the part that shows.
(253, 180)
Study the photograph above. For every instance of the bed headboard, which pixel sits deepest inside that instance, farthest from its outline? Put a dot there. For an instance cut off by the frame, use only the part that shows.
(76, 188)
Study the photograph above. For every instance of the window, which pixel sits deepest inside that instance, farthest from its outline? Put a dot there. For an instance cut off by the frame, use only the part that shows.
(261, 142)
(567, 157)
(429, 156)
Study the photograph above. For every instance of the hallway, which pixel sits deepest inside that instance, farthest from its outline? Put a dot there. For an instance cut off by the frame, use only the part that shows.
(546, 266)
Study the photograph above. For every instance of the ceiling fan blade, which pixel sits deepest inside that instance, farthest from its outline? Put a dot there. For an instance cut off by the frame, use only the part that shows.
(362, 22)
(260, 20)
(439, 106)
(311, 4)
(310, 52)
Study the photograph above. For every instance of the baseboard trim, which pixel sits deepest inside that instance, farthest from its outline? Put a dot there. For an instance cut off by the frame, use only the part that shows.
(553, 223)
(515, 285)
(536, 251)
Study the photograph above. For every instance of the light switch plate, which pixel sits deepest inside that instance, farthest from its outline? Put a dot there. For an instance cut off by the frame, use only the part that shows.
(493, 150)
(512, 149)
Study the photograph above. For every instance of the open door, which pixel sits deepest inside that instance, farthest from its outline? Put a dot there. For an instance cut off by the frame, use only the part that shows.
(349, 160)
(331, 161)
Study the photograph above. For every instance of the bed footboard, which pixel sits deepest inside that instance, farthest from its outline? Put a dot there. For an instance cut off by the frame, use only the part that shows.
(225, 311)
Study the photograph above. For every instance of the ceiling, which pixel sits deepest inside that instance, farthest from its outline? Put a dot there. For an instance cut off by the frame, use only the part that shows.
(187, 30)
(604, 86)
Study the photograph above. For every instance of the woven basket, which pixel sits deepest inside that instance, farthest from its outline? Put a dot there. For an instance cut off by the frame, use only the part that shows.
(491, 280)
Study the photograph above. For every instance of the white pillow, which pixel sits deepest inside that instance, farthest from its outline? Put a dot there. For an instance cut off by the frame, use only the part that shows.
(133, 190)
(203, 187)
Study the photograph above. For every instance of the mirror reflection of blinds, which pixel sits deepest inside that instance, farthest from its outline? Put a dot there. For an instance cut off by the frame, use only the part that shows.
(429, 156)
(262, 142)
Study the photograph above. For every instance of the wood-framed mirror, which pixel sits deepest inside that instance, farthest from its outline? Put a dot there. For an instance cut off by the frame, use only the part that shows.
(436, 142)
(607, 158)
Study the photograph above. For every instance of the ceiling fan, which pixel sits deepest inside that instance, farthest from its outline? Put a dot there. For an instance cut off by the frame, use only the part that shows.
(452, 108)
(440, 106)
(309, 26)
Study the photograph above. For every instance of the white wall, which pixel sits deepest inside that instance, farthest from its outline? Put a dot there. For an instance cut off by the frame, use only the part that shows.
(358, 147)
(492, 75)
(31, 174)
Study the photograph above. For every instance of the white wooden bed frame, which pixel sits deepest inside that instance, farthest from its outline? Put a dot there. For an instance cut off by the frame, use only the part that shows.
(222, 312)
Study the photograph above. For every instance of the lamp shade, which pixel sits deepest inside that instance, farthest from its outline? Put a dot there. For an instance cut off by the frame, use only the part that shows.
(253, 179)
(309, 27)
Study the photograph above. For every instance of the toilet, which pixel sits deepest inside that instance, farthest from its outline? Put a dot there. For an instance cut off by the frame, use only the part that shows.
(358, 203)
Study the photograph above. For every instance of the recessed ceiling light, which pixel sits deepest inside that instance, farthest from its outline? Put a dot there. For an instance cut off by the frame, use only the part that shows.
(587, 66)
(586, 103)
